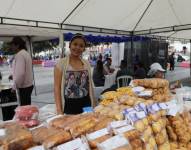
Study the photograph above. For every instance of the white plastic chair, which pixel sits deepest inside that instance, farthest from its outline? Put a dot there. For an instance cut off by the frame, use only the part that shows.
(124, 80)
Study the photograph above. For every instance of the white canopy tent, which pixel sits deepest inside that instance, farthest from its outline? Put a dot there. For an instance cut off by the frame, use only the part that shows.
(99, 16)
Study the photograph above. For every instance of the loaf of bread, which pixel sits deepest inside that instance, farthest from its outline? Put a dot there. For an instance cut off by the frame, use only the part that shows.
(151, 83)
(57, 139)
(42, 133)
(63, 121)
(178, 127)
(16, 138)
(103, 122)
(93, 143)
(82, 126)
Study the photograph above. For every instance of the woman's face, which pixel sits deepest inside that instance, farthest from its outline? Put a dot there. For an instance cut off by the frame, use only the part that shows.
(14, 47)
(77, 47)
(159, 74)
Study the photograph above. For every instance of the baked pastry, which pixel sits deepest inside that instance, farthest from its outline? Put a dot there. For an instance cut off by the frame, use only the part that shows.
(133, 134)
(102, 123)
(157, 127)
(136, 144)
(93, 143)
(16, 138)
(57, 139)
(139, 125)
(171, 133)
(161, 137)
(63, 121)
(165, 146)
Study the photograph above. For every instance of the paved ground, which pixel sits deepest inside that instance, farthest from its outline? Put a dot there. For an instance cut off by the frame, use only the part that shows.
(44, 82)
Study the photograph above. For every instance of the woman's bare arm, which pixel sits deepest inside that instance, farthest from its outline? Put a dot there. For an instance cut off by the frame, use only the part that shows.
(57, 90)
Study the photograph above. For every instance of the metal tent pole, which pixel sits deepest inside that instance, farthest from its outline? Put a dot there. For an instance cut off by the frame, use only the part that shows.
(61, 44)
(190, 57)
(131, 54)
(142, 15)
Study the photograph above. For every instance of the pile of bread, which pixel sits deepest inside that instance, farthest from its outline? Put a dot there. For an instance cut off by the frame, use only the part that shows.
(127, 122)
(179, 131)
(159, 87)
(113, 96)
(157, 120)
(144, 127)
(114, 109)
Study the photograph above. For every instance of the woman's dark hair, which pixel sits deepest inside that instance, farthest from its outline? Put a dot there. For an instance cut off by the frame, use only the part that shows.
(19, 42)
(123, 64)
(78, 36)
(99, 66)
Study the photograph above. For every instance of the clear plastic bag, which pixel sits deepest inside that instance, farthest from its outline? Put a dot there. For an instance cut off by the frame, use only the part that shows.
(139, 120)
(157, 119)
(118, 142)
(26, 113)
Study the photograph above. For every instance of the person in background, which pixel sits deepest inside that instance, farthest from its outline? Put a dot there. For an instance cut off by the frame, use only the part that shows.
(22, 70)
(184, 50)
(171, 60)
(1, 60)
(100, 57)
(156, 71)
(73, 84)
(180, 58)
(107, 66)
(140, 72)
(123, 70)
(136, 61)
(98, 74)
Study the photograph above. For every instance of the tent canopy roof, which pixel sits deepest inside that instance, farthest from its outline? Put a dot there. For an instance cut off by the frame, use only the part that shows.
(102, 16)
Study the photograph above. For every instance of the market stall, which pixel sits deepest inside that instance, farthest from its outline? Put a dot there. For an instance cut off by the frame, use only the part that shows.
(143, 116)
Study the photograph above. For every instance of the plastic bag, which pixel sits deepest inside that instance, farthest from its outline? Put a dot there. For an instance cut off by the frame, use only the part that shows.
(98, 137)
(139, 120)
(26, 113)
(118, 142)
(157, 119)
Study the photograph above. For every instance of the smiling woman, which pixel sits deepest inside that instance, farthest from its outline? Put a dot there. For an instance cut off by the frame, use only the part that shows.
(73, 88)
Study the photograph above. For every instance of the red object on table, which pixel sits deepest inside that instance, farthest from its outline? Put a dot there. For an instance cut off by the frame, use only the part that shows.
(185, 64)
(37, 62)
(27, 115)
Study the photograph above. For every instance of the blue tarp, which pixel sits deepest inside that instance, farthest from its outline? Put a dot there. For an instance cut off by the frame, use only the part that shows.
(100, 39)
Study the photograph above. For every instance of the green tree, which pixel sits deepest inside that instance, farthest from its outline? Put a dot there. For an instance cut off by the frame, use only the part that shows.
(6, 49)
(42, 46)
